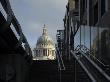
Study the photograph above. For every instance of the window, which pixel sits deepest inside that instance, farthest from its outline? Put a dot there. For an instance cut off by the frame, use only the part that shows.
(103, 7)
(95, 41)
(36, 52)
(77, 38)
(44, 52)
(96, 13)
(104, 44)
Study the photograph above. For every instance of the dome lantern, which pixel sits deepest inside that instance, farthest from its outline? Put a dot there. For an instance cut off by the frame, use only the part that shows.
(44, 30)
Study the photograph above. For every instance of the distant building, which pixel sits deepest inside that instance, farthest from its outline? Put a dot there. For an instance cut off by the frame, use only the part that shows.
(45, 47)
(60, 40)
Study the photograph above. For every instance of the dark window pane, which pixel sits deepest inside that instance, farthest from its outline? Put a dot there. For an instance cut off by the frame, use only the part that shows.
(96, 13)
(77, 39)
(104, 44)
(103, 4)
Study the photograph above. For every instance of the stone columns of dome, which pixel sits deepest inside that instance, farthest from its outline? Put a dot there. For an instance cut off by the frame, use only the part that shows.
(37, 52)
(45, 52)
(53, 52)
(34, 52)
(48, 52)
(41, 52)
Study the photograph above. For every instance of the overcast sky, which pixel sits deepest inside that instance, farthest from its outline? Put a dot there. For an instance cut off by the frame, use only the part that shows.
(33, 14)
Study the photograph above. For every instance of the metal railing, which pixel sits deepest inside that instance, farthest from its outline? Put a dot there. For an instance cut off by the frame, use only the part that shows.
(90, 53)
(81, 52)
(83, 66)
(61, 65)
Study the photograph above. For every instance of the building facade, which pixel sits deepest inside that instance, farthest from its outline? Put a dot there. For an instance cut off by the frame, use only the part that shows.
(45, 47)
(86, 22)
(94, 30)
(86, 25)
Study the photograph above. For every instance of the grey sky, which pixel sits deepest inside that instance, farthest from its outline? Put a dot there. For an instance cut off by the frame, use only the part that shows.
(33, 14)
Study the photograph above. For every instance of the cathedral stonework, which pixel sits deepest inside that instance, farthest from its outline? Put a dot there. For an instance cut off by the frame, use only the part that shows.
(45, 47)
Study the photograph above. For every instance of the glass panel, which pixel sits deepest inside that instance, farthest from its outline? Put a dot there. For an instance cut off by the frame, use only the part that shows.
(87, 37)
(104, 44)
(82, 35)
(94, 40)
(97, 39)
(77, 39)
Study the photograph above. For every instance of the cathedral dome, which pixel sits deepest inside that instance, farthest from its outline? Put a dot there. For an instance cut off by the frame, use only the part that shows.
(44, 38)
(45, 47)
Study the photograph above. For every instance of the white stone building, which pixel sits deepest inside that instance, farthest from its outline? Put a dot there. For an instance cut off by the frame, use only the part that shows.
(45, 47)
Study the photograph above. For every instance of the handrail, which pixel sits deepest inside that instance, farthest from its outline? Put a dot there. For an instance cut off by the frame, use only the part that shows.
(61, 65)
(91, 61)
(83, 66)
(90, 53)
(8, 10)
(97, 67)
(12, 19)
